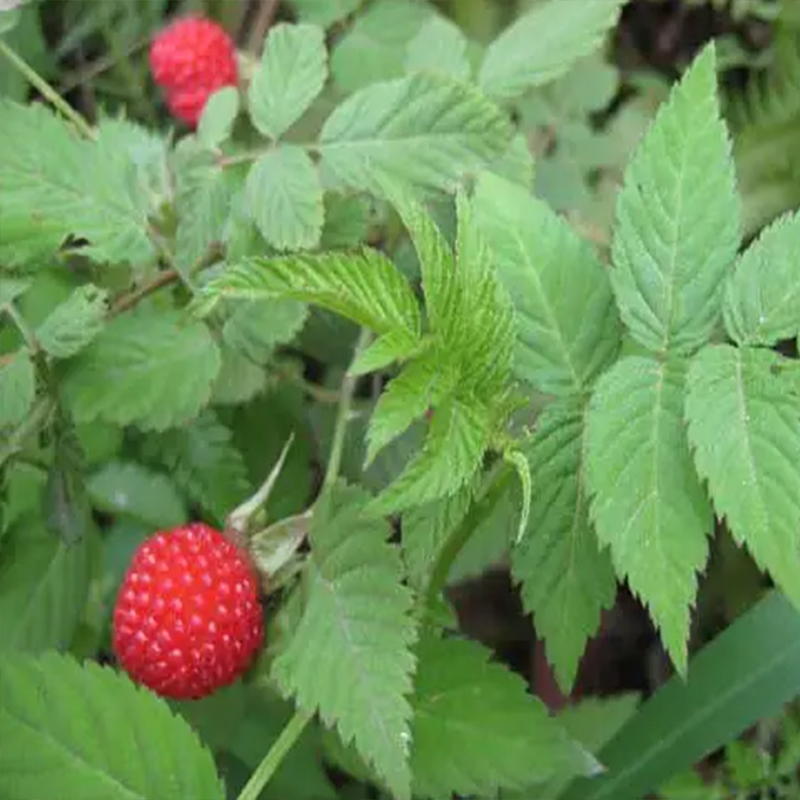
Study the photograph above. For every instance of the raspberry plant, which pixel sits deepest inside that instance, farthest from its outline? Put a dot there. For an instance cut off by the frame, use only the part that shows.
(494, 383)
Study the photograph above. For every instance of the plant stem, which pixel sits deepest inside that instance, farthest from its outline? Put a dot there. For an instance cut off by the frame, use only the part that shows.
(494, 488)
(21, 325)
(47, 91)
(272, 760)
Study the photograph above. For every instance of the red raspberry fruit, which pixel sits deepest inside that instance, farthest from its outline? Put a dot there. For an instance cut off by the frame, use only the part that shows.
(187, 619)
(193, 57)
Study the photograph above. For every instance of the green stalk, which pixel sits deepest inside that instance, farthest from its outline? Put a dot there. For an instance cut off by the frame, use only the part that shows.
(274, 757)
(47, 91)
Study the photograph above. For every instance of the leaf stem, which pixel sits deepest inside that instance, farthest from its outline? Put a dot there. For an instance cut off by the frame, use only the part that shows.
(275, 755)
(494, 488)
(47, 91)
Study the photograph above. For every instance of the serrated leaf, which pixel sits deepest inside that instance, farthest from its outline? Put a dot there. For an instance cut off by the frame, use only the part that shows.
(256, 328)
(71, 186)
(424, 130)
(283, 196)
(374, 48)
(521, 57)
(762, 296)
(647, 502)
(203, 461)
(347, 221)
(12, 288)
(219, 115)
(365, 287)
(151, 369)
(17, 387)
(567, 327)
(239, 379)
(677, 227)
(133, 490)
(57, 718)
(325, 12)
(439, 47)
(44, 583)
(476, 729)
(743, 412)
(566, 580)
(73, 324)
(458, 437)
(396, 345)
(293, 70)
(357, 622)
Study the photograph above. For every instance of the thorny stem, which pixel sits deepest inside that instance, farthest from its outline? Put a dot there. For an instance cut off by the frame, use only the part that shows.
(47, 91)
(274, 757)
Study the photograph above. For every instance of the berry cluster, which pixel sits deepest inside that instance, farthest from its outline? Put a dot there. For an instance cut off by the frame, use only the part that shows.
(191, 59)
(187, 620)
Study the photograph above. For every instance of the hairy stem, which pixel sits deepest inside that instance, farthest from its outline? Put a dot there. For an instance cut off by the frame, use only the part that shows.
(274, 757)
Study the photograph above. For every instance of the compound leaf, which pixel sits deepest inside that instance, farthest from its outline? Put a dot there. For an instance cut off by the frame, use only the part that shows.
(57, 718)
(153, 369)
(357, 622)
(743, 411)
(647, 502)
(677, 226)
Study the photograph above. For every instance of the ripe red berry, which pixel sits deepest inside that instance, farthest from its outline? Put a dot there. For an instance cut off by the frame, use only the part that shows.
(191, 59)
(187, 619)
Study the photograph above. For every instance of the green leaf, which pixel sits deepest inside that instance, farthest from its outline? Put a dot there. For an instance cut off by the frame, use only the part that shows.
(523, 57)
(218, 117)
(72, 186)
(203, 461)
(648, 504)
(439, 47)
(151, 369)
(374, 48)
(58, 718)
(73, 324)
(743, 411)
(11, 289)
(238, 380)
(325, 12)
(44, 583)
(293, 70)
(17, 387)
(132, 490)
(566, 579)
(567, 326)
(396, 345)
(365, 287)
(257, 327)
(424, 130)
(458, 437)
(284, 198)
(763, 293)
(677, 227)
(357, 622)
(746, 674)
(476, 728)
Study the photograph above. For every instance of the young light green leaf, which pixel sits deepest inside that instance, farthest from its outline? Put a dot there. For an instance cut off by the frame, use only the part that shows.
(357, 622)
(219, 115)
(17, 387)
(135, 491)
(283, 196)
(73, 324)
(476, 729)
(647, 502)
(256, 328)
(567, 326)
(78, 187)
(762, 296)
(396, 345)
(153, 369)
(365, 287)
(202, 459)
(44, 583)
(424, 130)
(57, 717)
(374, 48)
(523, 56)
(293, 70)
(677, 227)
(439, 47)
(325, 12)
(743, 412)
(566, 579)
(457, 439)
